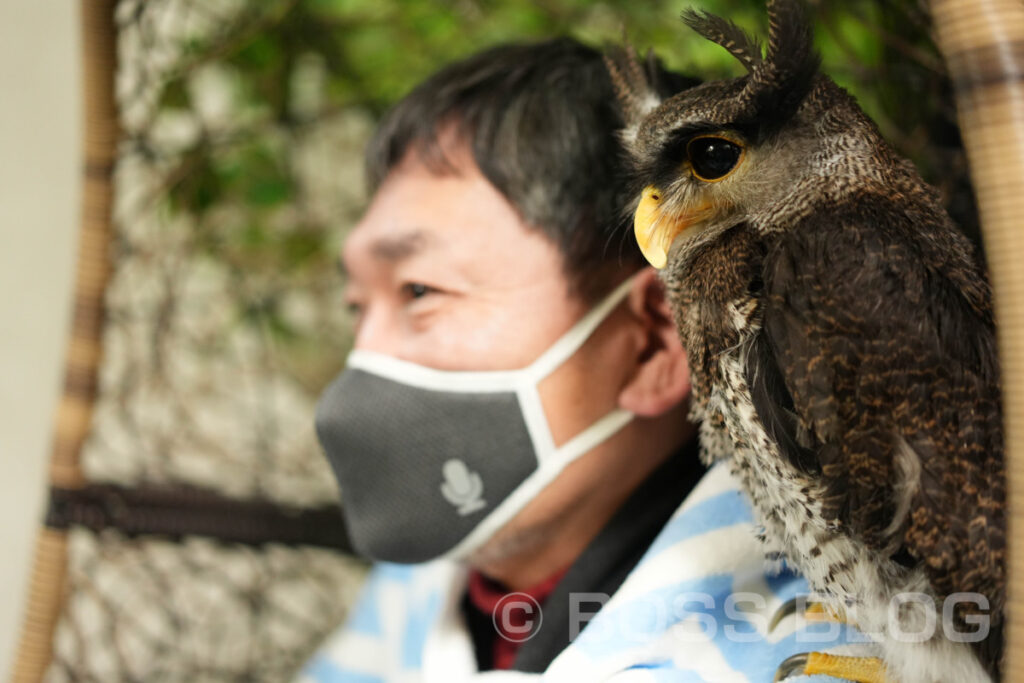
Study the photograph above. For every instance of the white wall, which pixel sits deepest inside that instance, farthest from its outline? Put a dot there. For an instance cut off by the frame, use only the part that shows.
(39, 142)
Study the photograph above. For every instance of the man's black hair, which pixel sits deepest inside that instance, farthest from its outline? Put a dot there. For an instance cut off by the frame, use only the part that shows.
(541, 120)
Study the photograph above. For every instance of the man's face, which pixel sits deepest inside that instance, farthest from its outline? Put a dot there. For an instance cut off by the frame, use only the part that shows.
(442, 272)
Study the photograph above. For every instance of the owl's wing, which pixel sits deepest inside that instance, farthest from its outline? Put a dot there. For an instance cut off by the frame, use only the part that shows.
(877, 368)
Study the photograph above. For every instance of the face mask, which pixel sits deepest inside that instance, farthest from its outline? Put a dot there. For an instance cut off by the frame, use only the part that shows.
(431, 463)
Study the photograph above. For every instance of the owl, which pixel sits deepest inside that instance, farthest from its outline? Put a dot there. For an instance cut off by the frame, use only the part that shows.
(841, 339)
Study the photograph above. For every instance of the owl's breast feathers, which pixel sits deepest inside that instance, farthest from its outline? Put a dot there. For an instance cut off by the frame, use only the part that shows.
(871, 361)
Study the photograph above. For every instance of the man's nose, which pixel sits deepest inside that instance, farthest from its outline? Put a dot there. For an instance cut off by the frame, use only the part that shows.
(377, 331)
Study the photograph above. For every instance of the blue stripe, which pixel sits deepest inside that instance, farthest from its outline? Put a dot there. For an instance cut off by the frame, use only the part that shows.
(365, 617)
(323, 670)
(401, 573)
(646, 617)
(649, 617)
(417, 625)
(724, 510)
(667, 672)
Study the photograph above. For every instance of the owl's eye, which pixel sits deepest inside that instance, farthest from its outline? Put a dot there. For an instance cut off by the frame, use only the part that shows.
(712, 157)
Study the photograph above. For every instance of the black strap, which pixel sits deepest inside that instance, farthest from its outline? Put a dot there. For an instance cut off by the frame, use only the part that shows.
(176, 512)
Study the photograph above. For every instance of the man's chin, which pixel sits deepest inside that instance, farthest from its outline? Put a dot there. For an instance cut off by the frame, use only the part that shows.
(509, 546)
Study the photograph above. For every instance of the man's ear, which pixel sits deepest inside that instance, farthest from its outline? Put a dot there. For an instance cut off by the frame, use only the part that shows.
(661, 380)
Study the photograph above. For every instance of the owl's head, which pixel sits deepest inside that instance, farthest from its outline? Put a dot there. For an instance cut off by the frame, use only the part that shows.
(715, 154)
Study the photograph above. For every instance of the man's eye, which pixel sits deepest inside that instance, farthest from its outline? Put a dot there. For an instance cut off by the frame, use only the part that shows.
(415, 290)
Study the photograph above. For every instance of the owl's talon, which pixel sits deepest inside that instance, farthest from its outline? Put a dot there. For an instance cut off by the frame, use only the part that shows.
(791, 666)
(857, 669)
(813, 611)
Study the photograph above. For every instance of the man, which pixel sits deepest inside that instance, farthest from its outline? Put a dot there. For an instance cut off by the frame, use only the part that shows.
(516, 406)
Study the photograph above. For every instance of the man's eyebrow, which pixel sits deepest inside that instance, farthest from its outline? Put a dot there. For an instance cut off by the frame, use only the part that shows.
(394, 248)
(398, 247)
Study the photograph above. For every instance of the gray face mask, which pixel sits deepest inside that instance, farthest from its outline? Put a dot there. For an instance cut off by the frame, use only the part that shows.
(432, 463)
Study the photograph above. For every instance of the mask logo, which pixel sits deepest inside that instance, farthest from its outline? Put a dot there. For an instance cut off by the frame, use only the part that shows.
(462, 487)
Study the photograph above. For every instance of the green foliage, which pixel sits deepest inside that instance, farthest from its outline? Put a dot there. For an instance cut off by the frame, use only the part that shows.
(368, 53)
(376, 50)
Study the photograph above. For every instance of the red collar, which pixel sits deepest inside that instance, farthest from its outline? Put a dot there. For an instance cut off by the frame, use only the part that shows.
(485, 594)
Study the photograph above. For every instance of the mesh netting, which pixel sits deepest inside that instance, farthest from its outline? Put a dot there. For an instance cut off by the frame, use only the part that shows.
(223, 322)
(197, 610)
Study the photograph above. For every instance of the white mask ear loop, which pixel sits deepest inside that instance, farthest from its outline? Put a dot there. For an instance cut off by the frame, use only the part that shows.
(548, 455)
(574, 338)
(550, 460)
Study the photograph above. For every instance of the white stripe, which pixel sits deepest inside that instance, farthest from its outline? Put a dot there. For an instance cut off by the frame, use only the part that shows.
(682, 643)
(448, 653)
(361, 653)
(717, 481)
(727, 550)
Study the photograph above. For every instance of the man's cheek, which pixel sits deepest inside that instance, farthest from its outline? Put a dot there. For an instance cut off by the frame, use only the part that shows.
(481, 339)
(448, 338)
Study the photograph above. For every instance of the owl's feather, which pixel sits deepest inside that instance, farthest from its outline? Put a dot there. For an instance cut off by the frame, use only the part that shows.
(738, 42)
(634, 85)
(883, 336)
(778, 81)
(840, 334)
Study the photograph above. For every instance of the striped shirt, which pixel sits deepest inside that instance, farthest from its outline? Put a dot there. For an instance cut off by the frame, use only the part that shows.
(697, 607)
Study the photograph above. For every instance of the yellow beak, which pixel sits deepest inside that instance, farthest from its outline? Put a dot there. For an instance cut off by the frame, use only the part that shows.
(654, 231)
(652, 236)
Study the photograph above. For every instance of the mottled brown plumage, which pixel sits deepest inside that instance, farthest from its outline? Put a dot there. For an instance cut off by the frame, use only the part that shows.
(840, 331)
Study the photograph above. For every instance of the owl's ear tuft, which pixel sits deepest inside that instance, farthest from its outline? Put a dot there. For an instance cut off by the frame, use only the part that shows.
(738, 42)
(777, 86)
(635, 83)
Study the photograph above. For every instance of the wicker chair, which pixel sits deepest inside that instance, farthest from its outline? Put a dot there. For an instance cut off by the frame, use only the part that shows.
(983, 43)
